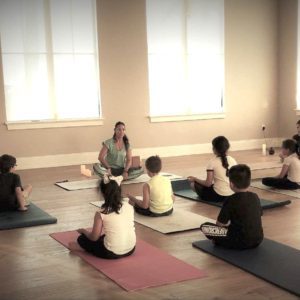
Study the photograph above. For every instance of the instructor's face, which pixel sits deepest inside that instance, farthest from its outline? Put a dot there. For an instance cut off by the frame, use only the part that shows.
(120, 131)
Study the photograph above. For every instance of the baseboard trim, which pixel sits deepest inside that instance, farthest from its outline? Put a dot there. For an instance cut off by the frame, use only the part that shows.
(60, 160)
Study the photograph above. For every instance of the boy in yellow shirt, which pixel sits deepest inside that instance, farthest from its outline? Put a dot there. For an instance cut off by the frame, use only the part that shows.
(158, 196)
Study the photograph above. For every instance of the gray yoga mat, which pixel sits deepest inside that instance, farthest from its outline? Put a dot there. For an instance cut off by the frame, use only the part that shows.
(32, 217)
(182, 188)
(274, 262)
(293, 193)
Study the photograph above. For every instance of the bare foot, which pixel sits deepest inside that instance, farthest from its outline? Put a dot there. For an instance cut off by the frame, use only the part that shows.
(73, 246)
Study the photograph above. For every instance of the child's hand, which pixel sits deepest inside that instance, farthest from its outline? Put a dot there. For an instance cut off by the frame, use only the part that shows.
(81, 231)
(131, 202)
(131, 199)
(191, 179)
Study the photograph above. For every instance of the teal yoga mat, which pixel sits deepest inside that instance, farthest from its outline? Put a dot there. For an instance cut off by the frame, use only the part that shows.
(274, 262)
(32, 217)
(182, 188)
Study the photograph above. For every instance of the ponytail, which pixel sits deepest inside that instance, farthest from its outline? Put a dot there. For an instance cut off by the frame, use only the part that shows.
(225, 163)
(221, 146)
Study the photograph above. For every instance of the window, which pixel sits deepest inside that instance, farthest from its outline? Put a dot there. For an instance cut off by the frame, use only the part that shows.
(50, 60)
(185, 56)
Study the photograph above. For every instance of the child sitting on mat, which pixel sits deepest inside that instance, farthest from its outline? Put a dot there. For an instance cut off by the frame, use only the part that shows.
(296, 138)
(113, 234)
(239, 223)
(289, 177)
(12, 195)
(216, 185)
(158, 196)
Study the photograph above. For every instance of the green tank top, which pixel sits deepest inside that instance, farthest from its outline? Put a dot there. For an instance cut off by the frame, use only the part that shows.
(115, 158)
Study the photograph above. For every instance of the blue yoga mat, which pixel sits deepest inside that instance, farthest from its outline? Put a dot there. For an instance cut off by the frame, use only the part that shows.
(182, 188)
(32, 217)
(274, 262)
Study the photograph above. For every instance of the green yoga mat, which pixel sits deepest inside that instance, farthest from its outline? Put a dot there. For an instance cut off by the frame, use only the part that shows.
(32, 217)
(274, 262)
(182, 188)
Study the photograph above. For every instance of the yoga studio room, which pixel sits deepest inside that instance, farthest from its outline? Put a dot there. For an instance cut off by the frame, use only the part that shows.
(149, 149)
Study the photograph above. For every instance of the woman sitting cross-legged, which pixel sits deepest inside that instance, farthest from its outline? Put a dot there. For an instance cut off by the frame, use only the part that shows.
(115, 156)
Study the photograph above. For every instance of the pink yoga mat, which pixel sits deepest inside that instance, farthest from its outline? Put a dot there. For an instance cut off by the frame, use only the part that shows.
(147, 267)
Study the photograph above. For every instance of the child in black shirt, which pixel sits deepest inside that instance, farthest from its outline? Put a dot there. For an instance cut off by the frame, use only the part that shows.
(239, 223)
(12, 195)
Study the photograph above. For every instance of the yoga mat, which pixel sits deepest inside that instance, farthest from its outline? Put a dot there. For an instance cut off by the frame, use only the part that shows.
(78, 185)
(94, 183)
(32, 217)
(265, 165)
(182, 188)
(145, 178)
(147, 267)
(258, 184)
(180, 220)
(274, 262)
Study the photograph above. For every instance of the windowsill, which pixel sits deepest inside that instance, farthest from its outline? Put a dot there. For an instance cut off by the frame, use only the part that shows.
(160, 119)
(52, 124)
(297, 112)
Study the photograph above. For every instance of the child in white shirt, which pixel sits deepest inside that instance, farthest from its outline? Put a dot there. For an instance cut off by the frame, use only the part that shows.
(216, 185)
(289, 177)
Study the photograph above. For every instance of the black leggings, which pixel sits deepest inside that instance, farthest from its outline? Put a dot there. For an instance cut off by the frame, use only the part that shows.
(98, 249)
(208, 193)
(219, 236)
(280, 183)
(147, 212)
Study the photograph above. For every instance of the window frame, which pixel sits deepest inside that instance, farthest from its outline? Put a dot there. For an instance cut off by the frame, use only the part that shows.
(57, 122)
(193, 116)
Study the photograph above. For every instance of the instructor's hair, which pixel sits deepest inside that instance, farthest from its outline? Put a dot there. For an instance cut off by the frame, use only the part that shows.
(292, 146)
(298, 122)
(6, 163)
(240, 176)
(125, 138)
(221, 146)
(111, 192)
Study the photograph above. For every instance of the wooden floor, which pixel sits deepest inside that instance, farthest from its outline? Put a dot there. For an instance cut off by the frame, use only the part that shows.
(34, 266)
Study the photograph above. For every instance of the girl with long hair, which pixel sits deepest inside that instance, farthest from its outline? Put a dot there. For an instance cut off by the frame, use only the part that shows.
(113, 233)
(216, 185)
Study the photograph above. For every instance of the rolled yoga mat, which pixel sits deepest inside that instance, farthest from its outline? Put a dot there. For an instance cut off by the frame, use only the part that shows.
(148, 266)
(32, 217)
(274, 262)
(182, 188)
